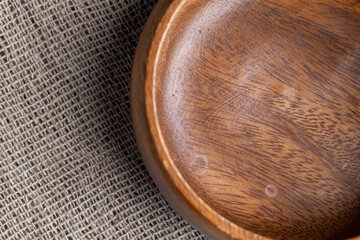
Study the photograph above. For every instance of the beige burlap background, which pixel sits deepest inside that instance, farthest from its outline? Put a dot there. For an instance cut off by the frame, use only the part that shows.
(69, 165)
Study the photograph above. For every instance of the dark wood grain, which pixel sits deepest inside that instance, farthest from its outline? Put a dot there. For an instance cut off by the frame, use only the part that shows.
(253, 108)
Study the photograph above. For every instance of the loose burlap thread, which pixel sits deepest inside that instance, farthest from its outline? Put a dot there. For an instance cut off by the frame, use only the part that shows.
(69, 164)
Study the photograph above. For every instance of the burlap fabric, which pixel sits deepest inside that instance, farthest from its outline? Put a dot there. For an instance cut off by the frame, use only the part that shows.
(69, 165)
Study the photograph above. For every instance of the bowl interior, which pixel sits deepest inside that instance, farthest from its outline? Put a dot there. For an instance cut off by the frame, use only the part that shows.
(257, 103)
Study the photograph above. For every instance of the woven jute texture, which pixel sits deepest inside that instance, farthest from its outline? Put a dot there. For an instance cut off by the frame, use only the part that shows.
(69, 164)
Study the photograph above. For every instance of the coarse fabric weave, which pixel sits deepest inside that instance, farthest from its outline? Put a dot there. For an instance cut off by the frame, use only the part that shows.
(69, 164)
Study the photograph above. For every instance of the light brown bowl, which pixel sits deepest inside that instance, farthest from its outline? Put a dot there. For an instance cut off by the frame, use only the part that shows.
(247, 115)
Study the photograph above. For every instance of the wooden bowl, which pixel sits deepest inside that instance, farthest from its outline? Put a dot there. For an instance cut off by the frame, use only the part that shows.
(247, 115)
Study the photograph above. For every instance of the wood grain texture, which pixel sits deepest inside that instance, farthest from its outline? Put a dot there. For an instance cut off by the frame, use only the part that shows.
(251, 110)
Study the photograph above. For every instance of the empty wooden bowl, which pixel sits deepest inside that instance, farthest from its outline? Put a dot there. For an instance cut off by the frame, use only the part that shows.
(247, 115)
